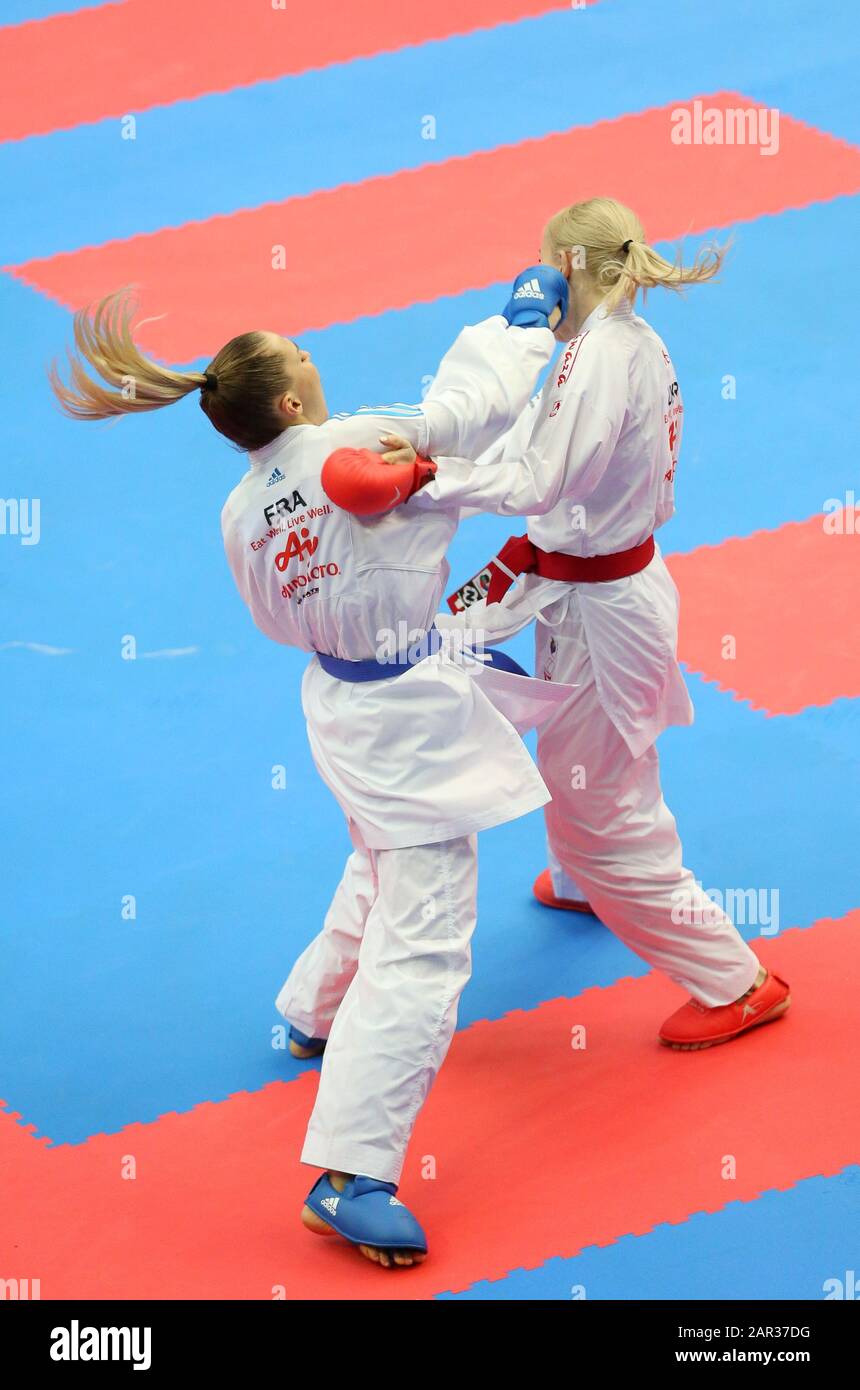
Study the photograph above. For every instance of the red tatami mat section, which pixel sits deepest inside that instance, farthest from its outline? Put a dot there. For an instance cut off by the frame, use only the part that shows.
(789, 599)
(540, 1150)
(506, 192)
(152, 52)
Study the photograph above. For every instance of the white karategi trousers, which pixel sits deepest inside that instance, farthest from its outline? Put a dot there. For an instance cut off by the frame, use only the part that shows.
(383, 978)
(611, 837)
(382, 982)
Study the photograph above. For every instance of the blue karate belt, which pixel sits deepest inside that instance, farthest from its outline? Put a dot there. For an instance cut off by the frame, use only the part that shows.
(373, 670)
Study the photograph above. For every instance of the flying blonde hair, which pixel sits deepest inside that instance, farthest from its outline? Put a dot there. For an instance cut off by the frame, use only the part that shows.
(237, 390)
(616, 255)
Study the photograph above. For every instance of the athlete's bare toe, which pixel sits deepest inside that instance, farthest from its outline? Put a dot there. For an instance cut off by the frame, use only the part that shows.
(315, 1223)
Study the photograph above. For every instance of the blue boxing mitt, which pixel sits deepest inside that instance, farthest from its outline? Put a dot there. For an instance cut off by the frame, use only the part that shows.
(538, 298)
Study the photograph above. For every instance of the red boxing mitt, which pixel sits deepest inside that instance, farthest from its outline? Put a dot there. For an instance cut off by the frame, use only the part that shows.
(358, 481)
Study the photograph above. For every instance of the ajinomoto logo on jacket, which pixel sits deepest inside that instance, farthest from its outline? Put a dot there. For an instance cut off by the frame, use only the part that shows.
(302, 586)
(299, 544)
(295, 537)
(302, 546)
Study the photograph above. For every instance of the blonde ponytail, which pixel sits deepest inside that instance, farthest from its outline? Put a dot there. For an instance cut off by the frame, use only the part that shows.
(607, 240)
(239, 390)
(129, 381)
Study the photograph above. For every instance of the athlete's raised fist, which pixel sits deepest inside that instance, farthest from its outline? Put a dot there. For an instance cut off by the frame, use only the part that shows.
(365, 485)
(538, 298)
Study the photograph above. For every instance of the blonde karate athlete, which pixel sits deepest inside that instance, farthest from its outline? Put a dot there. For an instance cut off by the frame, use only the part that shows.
(418, 741)
(592, 463)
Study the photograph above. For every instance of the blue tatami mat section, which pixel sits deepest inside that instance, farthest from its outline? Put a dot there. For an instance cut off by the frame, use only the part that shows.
(799, 1244)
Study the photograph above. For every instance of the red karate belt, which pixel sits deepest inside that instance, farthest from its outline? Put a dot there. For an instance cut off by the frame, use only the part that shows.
(520, 556)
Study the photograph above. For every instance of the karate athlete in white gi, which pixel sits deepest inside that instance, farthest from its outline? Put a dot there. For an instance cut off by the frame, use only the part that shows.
(592, 463)
(419, 743)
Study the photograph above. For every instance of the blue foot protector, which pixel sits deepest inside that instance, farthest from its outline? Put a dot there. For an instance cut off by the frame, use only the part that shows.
(367, 1212)
(318, 1044)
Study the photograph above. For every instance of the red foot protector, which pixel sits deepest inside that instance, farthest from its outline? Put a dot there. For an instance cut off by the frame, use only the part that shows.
(788, 599)
(620, 1135)
(506, 189)
(151, 52)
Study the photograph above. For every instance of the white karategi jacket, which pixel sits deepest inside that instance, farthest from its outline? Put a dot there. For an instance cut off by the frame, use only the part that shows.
(434, 753)
(591, 462)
